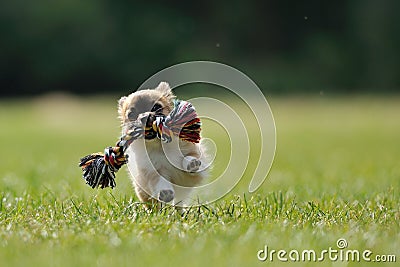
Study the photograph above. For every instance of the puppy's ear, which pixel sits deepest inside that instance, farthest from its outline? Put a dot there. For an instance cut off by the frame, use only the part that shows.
(164, 88)
(121, 102)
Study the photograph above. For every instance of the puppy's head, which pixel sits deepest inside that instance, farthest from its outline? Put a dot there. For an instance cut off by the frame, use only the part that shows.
(142, 106)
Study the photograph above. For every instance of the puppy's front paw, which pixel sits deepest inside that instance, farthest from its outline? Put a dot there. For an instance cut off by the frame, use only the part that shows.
(191, 164)
(166, 195)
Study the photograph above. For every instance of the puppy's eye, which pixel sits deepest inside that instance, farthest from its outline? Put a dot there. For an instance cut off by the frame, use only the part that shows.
(156, 108)
(132, 115)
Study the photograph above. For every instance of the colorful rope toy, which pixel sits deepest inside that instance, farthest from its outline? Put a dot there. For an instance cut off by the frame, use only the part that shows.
(99, 169)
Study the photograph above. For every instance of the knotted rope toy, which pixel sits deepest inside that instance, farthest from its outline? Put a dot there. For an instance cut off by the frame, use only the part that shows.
(99, 168)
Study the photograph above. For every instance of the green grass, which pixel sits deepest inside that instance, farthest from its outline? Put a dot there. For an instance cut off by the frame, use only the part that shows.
(336, 175)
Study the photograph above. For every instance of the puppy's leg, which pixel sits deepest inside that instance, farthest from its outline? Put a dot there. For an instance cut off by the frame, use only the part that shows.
(152, 188)
(142, 195)
(163, 190)
(148, 201)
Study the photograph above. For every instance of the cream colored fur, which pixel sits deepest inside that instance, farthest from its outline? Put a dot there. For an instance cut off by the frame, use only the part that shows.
(163, 172)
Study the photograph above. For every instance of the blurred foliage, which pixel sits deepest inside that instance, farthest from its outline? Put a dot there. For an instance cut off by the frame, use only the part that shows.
(284, 46)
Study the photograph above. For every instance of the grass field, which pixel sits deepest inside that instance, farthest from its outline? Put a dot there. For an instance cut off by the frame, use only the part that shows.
(336, 175)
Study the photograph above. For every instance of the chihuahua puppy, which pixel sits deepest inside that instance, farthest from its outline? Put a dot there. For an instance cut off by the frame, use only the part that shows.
(160, 172)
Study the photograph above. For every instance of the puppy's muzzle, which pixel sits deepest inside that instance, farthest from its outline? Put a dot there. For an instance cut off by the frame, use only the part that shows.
(146, 120)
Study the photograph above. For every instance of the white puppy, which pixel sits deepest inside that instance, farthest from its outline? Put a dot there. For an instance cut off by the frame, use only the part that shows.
(160, 172)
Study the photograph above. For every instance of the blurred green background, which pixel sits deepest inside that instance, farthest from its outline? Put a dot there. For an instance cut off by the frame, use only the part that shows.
(330, 71)
(284, 46)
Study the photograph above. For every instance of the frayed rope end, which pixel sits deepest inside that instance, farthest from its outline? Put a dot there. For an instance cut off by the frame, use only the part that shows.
(99, 169)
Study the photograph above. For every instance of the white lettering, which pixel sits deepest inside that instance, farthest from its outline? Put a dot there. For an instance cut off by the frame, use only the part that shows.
(296, 258)
(281, 255)
(355, 255)
(322, 256)
(263, 252)
(366, 254)
(309, 253)
(332, 257)
(271, 255)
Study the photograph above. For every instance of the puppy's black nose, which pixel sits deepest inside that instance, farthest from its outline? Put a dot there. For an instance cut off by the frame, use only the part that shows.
(143, 119)
(146, 119)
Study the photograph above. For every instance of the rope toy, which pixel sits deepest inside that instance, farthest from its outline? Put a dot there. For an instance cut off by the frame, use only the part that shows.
(99, 168)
